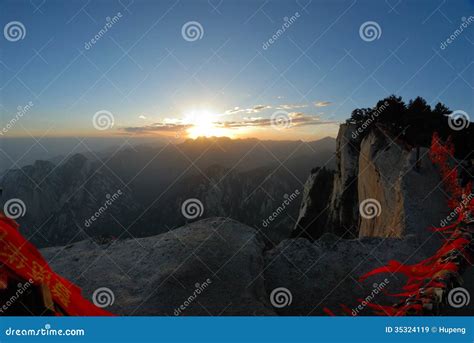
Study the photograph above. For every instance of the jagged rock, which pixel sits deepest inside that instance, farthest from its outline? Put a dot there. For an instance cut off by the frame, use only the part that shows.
(342, 216)
(60, 198)
(325, 273)
(250, 196)
(312, 219)
(225, 260)
(156, 275)
(332, 210)
(376, 167)
(409, 191)
(242, 179)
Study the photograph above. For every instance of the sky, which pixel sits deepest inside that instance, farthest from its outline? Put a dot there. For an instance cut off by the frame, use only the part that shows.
(146, 75)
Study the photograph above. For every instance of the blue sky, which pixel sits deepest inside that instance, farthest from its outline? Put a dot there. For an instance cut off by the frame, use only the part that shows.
(149, 77)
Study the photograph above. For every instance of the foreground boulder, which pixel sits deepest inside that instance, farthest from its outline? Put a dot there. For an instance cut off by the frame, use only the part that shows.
(325, 274)
(210, 267)
(219, 266)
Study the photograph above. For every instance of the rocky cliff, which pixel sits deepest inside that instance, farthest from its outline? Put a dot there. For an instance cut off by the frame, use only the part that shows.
(210, 267)
(218, 266)
(381, 188)
(59, 199)
(247, 180)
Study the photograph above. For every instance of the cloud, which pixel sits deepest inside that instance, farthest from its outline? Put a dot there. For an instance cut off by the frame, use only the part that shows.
(290, 106)
(234, 110)
(254, 109)
(156, 128)
(297, 119)
(141, 116)
(322, 103)
(259, 108)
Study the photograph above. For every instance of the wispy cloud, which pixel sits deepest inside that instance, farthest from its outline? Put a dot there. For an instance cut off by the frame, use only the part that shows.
(297, 119)
(255, 109)
(322, 103)
(291, 106)
(261, 108)
(157, 128)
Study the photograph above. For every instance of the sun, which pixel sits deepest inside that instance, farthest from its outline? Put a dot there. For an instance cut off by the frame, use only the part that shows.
(205, 123)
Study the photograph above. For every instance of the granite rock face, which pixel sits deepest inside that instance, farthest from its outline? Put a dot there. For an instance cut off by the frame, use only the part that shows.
(211, 267)
(342, 217)
(218, 266)
(60, 198)
(408, 189)
(375, 173)
(325, 273)
(317, 192)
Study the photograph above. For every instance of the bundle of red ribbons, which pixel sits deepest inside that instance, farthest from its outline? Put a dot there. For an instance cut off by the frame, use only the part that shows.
(436, 271)
(20, 258)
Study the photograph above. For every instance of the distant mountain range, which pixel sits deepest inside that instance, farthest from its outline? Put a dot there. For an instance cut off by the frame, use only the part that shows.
(138, 191)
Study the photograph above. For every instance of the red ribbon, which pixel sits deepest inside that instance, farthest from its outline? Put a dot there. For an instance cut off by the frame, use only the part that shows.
(24, 260)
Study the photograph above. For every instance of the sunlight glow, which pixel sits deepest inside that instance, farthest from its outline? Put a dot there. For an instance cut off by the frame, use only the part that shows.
(205, 123)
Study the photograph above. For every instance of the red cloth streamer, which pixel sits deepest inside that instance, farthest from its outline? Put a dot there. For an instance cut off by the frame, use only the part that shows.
(328, 312)
(23, 259)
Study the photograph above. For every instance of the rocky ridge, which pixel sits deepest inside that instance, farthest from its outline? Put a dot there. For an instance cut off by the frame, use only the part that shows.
(400, 182)
(157, 275)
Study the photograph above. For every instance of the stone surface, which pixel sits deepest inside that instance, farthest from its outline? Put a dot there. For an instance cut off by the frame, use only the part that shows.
(342, 216)
(325, 273)
(377, 167)
(218, 266)
(156, 275)
(410, 196)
